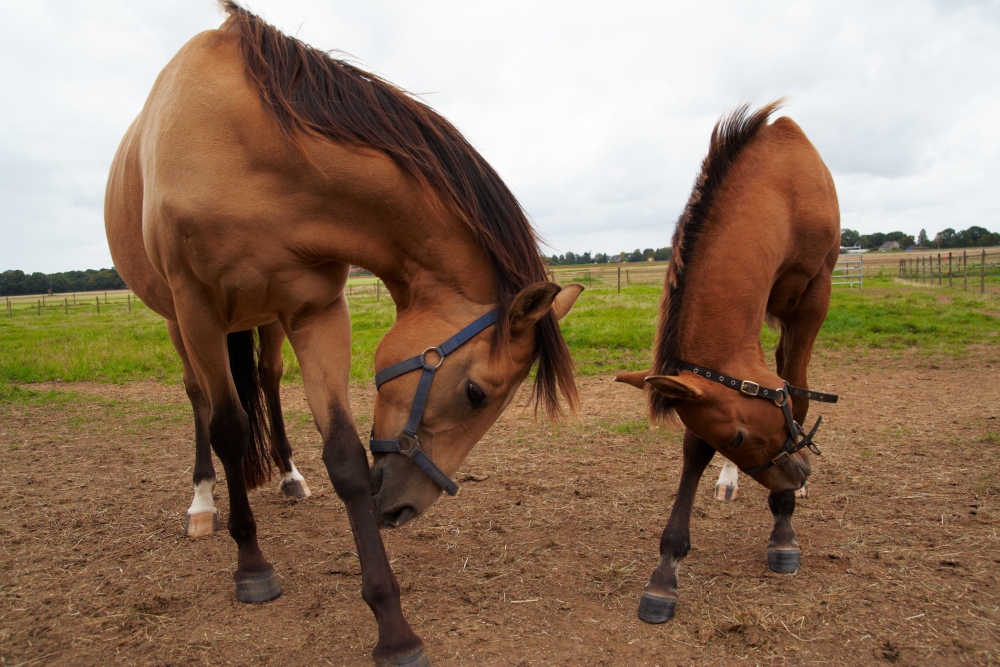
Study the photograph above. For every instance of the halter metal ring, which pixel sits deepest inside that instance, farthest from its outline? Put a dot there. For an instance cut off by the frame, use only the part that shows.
(408, 443)
(423, 358)
(782, 396)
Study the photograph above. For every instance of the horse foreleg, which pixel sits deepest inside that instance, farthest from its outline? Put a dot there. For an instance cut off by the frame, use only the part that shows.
(323, 348)
(271, 367)
(728, 485)
(798, 335)
(782, 549)
(202, 517)
(659, 597)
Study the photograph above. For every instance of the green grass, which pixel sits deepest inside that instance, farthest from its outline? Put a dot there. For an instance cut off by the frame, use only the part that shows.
(606, 331)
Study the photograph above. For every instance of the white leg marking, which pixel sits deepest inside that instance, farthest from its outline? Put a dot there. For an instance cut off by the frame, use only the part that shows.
(203, 501)
(292, 476)
(728, 484)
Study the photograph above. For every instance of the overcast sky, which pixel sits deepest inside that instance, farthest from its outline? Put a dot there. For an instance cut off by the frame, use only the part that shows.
(597, 114)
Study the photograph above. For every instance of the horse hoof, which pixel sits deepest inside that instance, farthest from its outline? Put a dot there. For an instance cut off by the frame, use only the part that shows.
(415, 659)
(201, 523)
(655, 608)
(803, 492)
(295, 488)
(726, 492)
(783, 561)
(262, 587)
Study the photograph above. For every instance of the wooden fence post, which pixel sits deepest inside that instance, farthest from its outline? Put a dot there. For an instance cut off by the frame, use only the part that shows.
(982, 274)
(129, 298)
(66, 304)
(39, 306)
(619, 280)
(378, 290)
(965, 269)
(939, 270)
(98, 300)
(949, 269)
(105, 298)
(74, 298)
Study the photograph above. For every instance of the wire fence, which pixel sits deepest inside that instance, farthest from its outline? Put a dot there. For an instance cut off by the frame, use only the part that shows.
(953, 269)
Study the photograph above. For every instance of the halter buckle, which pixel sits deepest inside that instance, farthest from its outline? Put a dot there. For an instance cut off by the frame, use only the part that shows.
(780, 458)
(409, 444)
(750, 388)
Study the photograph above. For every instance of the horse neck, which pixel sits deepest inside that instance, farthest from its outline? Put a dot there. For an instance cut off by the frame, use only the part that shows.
(725, 299)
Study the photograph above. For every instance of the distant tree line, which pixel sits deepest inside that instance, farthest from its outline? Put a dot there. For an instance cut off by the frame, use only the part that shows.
(970, 238)
(13, 283)
(657, 255)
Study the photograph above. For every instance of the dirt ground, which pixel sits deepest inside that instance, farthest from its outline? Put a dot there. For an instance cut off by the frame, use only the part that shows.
(541, 557)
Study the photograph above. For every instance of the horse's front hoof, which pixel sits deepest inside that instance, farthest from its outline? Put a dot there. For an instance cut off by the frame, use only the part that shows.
(803, 492)
(655, 608)
(726, 492)
(261, 587)
(783, 561)
(201, 523)
(414, 659)
(295, 488)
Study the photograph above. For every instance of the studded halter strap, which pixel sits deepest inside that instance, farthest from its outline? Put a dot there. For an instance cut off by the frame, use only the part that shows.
(797, 437)
(406, 442)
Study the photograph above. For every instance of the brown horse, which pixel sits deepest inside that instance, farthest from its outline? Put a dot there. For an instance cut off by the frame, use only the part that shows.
(258, 171)
(759, 239)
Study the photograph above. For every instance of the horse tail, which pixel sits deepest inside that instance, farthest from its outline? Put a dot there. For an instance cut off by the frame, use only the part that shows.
(243, 353)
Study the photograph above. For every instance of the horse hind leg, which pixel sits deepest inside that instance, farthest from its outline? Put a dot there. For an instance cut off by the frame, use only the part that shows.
(271, 367)
(728, 485)
(202, 517)
(226, 371)
(659, 597)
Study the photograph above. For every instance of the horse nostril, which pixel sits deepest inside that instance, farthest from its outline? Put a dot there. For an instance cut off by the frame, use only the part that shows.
(398, 517)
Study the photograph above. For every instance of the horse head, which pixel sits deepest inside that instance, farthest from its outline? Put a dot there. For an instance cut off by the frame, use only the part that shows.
(750, 433)
(465, 386)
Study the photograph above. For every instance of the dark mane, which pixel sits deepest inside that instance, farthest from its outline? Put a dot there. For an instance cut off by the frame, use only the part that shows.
(308, 92)
(730, 136)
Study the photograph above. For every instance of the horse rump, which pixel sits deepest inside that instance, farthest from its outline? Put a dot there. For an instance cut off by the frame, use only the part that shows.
(243, 354)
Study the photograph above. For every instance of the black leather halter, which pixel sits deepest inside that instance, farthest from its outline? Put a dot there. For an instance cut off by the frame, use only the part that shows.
(407, 442)
(797, 436)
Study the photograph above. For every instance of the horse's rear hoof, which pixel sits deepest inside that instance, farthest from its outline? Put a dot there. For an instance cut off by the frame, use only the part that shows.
(262, 587)
(726, 492)
(295, 488)
(803, 492)
(783, 561)
(415, 659)
(201, 523)
(655, 608)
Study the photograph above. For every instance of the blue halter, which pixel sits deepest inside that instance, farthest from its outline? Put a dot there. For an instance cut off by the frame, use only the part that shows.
(407, 442)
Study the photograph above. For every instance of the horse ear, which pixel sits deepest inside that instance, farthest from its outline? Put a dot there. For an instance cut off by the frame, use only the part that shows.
(636, 378)
(565, 299)
(531, 304)
(675, 386)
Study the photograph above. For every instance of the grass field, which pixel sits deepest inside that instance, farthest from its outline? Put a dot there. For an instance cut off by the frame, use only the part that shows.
(606, 331)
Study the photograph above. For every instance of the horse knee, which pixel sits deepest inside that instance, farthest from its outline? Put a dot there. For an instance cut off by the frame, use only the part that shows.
(380, 591)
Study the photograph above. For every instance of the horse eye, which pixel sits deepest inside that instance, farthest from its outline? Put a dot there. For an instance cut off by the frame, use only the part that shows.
(474, 394)
(737, 441)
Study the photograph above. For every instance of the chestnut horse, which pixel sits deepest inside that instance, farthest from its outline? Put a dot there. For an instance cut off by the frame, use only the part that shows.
(258, 171)
(759, 239)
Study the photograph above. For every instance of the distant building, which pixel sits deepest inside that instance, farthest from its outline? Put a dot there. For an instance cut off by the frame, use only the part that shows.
(889, 245)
